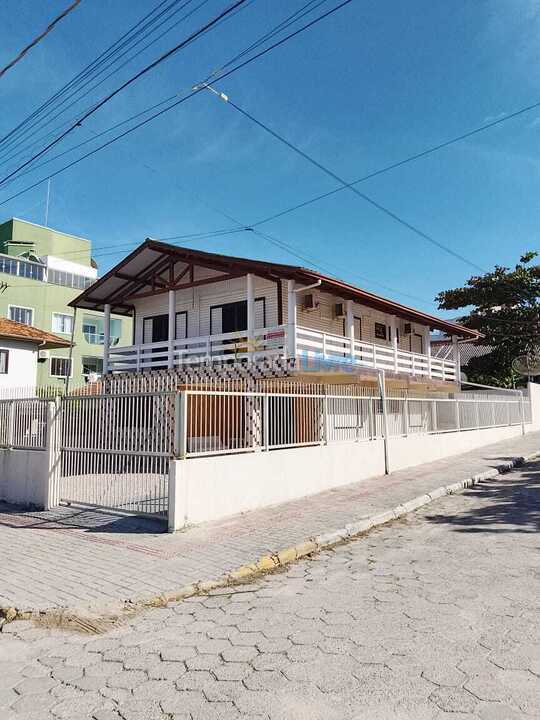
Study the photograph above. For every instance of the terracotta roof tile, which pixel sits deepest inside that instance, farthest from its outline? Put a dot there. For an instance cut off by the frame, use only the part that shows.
(19, 331)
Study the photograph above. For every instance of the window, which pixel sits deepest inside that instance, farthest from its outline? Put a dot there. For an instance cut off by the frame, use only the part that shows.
(67, 279)
(380, 331)
(4, 362)
(92, 365)
(22, 315)
(62, 323)
(60, 367)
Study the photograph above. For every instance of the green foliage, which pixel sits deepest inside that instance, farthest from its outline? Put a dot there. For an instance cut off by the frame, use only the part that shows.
(504, 305)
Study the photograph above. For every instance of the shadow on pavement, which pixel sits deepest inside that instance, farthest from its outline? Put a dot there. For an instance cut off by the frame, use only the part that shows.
(507, 503)
(89, 520)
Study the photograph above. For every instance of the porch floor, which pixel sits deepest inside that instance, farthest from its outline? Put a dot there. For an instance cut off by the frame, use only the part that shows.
(88, 559)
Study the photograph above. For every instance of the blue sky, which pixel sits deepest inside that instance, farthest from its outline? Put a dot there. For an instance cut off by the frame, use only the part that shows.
(377, 81)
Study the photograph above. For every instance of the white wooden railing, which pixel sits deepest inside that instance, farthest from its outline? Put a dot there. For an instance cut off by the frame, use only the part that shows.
(265, 342)
(271, 342)
(337, 348)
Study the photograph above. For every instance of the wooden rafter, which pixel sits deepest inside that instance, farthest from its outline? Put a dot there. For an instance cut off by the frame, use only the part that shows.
(186, 286)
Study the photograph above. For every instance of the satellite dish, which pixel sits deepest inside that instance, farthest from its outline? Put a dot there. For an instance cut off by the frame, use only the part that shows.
(527, 365)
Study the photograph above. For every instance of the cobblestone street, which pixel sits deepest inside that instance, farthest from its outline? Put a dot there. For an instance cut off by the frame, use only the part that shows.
(432, 617)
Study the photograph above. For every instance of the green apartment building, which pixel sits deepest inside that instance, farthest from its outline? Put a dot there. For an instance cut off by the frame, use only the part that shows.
(41, 271)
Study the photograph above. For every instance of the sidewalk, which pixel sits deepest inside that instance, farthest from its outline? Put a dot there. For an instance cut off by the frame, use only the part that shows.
(85, 559)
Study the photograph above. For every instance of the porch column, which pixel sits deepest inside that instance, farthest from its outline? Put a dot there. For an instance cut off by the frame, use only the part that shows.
(393, 332)
(456, 358)
(427, 343)
(106, 337)
(349, 327)
(172, 329)
(250, 294)
(291, 320)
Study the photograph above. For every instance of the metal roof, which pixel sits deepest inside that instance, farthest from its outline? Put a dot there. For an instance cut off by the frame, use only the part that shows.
(156, 267)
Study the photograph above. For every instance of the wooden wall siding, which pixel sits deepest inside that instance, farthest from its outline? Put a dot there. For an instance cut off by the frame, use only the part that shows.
(198, 301)
(323, 320)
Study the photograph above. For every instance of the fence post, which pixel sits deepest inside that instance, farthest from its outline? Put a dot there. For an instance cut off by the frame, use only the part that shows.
(180, 425)
(434, 421)
(53, 441)
(382, 389)
(325, 419)
(458, 421)
(266, 422)
(11, 424)
(521, 412)
(405, 411)
(477, 413)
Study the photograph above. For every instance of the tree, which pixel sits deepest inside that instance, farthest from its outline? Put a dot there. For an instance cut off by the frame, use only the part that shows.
(505, 307)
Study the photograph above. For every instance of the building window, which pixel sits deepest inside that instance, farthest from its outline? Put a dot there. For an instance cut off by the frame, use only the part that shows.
(62, 323)
(22, 315)
(380, 331)
(4, 362)
(92, 365)
(60, 367)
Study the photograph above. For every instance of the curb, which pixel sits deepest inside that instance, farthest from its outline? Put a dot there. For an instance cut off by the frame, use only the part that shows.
(286, 556)
(282, 558)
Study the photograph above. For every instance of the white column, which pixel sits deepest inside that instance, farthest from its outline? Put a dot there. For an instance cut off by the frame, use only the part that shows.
(427, 348)
(349, 326)
(456, 358)
(172, 329)
(291, 320)
(393, 331)
(106, 337)
(250, 294)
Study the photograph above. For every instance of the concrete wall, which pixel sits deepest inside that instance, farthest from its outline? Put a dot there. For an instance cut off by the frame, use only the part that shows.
(24, 477)
(209, 488)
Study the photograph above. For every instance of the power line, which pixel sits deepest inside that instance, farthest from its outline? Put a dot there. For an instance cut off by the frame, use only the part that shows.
(389, 213)
(404, 161)
(134, 31)
(127, 83)
(39, 37)
(11, 152)
(180, 101)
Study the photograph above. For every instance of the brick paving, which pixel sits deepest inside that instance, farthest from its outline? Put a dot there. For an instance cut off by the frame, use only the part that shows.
(82, 558)
(433, 617)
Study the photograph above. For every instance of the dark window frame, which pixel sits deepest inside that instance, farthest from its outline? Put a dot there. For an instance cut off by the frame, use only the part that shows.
(151, 317)
(4, 352)
(377, 331)
(233, 302)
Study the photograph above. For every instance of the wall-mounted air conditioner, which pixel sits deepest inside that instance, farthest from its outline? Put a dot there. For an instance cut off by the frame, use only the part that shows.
(339, 310)
(43, 355)
(309, 302)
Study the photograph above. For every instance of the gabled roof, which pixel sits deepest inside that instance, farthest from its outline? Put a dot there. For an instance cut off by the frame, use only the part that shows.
(156, 267)
(12, 330)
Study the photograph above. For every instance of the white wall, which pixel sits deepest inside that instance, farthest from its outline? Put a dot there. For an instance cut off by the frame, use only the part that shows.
(22, 364)
(197, 302)
(24, 477)
(209, 488)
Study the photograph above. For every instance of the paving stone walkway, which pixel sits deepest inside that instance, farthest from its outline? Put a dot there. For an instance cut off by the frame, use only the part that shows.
(434, 617)
(82, 558)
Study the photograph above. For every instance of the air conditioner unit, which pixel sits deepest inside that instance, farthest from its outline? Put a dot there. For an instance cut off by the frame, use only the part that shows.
(339, 310)
(407, 329)
(43, 355)
(309, 302)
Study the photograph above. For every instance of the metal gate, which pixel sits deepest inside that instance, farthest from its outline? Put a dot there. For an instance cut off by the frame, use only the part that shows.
(114, 451)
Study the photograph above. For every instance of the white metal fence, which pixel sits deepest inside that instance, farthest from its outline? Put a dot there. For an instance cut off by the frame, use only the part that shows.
(114, 450)
(23, 424)
(214, 422)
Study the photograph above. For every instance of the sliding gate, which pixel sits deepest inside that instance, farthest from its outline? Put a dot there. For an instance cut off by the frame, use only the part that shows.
(114, 451)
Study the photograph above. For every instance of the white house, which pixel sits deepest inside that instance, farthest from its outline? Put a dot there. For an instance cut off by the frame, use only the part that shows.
(20, 349)
(193, 307)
